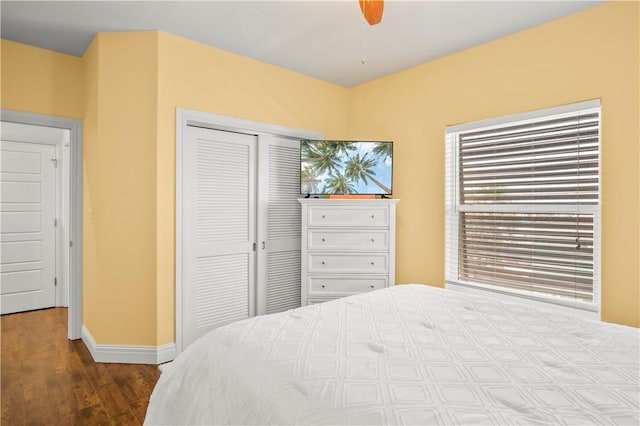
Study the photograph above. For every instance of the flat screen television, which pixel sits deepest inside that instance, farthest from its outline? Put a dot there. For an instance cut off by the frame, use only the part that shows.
(335, 167)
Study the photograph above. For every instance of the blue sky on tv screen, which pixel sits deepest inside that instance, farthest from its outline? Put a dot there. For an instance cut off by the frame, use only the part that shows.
(380, 169)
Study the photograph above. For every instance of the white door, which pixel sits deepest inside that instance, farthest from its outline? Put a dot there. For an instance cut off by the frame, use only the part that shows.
(219, 224)
(279, 224)
(27, 237)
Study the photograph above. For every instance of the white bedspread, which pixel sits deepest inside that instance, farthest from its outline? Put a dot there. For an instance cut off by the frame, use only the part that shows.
(408, 354)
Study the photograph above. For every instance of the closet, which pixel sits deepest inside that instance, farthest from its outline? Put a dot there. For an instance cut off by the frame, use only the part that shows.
(239, 242)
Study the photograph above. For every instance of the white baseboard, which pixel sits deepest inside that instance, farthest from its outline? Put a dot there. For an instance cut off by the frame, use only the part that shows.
(124, 354)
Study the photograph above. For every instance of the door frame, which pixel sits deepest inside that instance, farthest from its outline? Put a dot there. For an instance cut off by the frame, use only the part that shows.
(73, 232)
(184, 118)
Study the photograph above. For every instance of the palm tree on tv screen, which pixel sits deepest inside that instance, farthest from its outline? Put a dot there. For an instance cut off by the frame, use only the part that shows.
(334, 164)
(309, 181)
(384, 150)
(339, 184)
(343, 148)
(361, 168)
(321, 156)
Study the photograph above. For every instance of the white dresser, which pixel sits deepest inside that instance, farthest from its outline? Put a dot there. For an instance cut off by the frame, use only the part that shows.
(348, 247)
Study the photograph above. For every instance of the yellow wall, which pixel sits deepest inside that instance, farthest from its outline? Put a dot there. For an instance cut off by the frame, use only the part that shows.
(127, 86)
(91, 159)
(589, 55)
(202, 78)
(120, 140)
(40, 81)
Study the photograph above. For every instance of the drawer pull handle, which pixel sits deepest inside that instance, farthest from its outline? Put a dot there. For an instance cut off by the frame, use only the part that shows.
(323, 216)
(373, 216)
(323, 240)
(372, 263)
(373, 240)
(322, 285)
(369, 286)
(323, 262)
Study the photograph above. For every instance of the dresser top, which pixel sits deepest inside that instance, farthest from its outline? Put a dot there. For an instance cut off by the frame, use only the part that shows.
(348, 201)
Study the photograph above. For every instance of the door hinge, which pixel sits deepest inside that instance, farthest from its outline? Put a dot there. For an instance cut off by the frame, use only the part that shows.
(70, 243)
(55, 222)
(55, 281)
(254, 246)
(55, 162)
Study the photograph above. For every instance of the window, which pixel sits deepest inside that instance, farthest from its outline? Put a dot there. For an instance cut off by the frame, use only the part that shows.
(522, 207)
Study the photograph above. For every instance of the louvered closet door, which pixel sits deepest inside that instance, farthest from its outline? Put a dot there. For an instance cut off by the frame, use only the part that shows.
(219, 230)
(279, 224)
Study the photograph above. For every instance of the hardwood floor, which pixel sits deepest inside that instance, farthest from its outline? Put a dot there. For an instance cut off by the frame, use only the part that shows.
(47, 379)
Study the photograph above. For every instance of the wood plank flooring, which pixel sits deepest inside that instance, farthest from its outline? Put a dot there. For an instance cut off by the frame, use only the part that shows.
(47, 379)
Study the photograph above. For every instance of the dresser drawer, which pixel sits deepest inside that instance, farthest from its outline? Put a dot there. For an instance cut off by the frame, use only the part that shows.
(355, 263)
(321, 286)
(321, 239)
(348, 216)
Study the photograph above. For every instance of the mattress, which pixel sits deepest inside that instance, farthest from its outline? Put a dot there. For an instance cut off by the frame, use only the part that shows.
(409, 354)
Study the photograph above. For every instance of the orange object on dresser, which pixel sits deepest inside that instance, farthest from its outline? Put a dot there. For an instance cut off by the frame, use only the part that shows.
(352, 196)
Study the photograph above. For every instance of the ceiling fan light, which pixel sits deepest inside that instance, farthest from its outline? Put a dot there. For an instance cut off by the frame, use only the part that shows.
(372, 10)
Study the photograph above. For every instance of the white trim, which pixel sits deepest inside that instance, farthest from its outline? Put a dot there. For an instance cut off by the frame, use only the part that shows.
(123, 354)
(64, 155)
(184, 118)
(208, 120)
(525, 116)
(74, 235)
(165, 353)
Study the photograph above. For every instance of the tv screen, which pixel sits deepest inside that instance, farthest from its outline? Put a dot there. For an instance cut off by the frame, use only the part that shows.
(345, 167)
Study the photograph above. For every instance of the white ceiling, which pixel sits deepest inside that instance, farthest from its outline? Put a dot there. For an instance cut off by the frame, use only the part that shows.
(321, 38)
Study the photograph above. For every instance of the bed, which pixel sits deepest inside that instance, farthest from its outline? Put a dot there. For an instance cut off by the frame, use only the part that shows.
(409, 354)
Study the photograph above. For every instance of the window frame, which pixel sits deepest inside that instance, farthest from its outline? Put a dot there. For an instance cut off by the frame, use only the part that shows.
(454, 206)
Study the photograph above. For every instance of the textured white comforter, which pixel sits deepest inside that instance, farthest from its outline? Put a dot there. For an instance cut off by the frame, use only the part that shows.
(408, 354)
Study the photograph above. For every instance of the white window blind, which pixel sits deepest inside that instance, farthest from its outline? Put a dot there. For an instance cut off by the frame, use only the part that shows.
(523, 205)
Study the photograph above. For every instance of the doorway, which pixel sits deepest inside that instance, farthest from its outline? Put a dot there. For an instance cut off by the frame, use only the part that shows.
(27, 130)
(31, 259)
